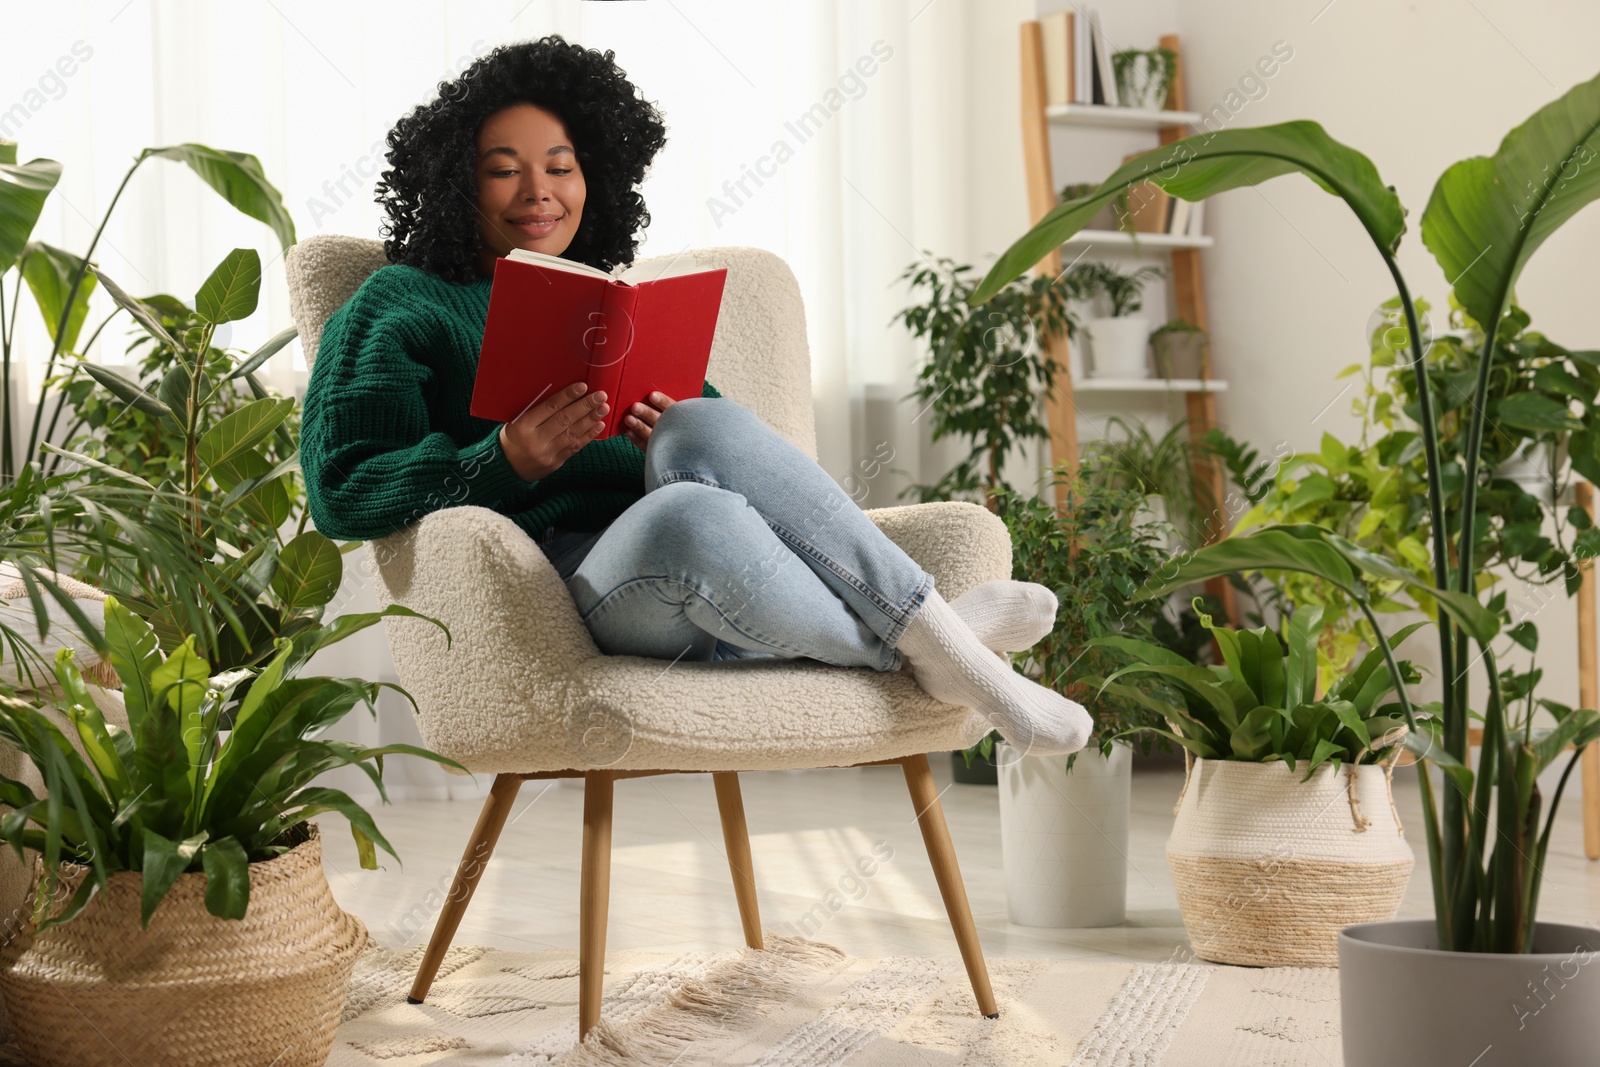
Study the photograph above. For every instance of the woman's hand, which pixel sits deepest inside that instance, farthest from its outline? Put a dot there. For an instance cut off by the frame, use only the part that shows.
(542, 438)
(640, 419)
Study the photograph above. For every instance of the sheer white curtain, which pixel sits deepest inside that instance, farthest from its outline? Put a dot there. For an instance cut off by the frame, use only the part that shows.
(830, 132)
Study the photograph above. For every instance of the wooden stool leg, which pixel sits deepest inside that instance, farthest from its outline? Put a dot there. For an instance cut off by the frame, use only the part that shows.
(491, 820)
(594, 897)
(736, 836)
(942, 854)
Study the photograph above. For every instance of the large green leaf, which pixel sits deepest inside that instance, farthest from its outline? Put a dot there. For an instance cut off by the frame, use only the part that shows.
(127, 391)
(243, 429)
(142, 312)
(1210, 163)
(309, 570)
(232, 290)
(227, 878)
(49, 272)
(266, 351)
(239, 178)
(164, 861)
(1488, 215)
(1270, 548)
(23, 191)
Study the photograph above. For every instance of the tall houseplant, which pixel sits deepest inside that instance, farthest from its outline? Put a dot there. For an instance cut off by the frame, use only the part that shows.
(1064, 822)
(1489, 830)
(985, 372)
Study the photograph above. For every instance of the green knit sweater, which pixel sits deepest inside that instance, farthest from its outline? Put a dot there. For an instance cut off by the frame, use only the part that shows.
(385, 433)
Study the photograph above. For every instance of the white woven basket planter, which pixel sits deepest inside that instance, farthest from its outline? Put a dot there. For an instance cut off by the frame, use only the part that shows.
(1268, 869)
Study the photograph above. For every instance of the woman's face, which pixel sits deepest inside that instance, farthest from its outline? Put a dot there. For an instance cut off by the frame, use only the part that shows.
(530, 187)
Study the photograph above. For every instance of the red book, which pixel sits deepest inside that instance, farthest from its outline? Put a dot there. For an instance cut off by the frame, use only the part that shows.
(553, 322)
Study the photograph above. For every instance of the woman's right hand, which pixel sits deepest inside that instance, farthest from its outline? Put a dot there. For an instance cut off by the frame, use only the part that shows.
(542, 438)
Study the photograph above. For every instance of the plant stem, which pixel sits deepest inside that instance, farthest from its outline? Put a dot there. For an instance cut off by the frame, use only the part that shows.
(5, 382)
(1453, 826)
(61, 396)
(66, 310)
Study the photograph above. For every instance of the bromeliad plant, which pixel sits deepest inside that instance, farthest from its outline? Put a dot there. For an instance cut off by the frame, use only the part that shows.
(1488, 831)
(1260, 704)
(213, 773)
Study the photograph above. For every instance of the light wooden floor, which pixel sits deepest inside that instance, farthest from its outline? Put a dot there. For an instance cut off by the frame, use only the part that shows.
(671, 889)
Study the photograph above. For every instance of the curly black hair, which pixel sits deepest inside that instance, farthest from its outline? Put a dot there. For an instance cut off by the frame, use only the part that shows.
(429, 194)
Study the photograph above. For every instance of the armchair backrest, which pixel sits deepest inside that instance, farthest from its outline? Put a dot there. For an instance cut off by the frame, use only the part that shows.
(759, 355)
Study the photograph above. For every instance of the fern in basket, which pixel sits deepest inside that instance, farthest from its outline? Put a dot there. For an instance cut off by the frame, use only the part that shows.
(213, 773)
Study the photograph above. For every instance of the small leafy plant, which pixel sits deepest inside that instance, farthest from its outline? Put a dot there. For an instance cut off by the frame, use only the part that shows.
(213, 773)
(1123, 291)
(1260, 704)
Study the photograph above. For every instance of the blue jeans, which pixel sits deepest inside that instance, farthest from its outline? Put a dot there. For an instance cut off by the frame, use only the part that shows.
(742, 547)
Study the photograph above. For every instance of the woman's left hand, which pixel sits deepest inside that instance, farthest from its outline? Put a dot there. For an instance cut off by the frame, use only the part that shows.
(640, 419)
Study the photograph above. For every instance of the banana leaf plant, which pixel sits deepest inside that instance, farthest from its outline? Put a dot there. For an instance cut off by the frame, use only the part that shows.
(199, 781)
(1486, 217)
(1260, 704)
(61, 282)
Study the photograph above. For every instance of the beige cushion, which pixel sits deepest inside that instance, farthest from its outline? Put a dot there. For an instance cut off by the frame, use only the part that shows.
(523, 687)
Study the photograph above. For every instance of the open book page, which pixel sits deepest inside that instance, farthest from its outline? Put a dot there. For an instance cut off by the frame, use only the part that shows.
(639, 272)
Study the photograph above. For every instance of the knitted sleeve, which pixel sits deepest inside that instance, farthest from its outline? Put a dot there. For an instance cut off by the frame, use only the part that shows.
(371, 462)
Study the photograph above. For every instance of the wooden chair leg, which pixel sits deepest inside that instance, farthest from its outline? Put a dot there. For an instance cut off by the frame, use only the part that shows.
(736, 836)
(942, 854)
(594, 897)
(491, 820)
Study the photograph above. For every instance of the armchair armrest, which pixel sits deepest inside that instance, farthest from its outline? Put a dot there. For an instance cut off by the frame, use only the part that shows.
(961, 544)
(516, 638)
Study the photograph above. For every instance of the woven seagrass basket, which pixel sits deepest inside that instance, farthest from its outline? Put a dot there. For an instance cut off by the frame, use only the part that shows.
(1269, 869)
(192, 989)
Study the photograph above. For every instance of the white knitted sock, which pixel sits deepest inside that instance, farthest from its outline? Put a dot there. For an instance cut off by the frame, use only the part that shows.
(1006, 615)
(952, 665)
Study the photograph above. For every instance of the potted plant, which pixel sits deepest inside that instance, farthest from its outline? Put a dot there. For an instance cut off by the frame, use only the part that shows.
(1064, 821)
(1118, 341)
(1144, 77)
(1179, 349)
(1487, 825)
(1271, 863)
(179, 901)
(985, 372)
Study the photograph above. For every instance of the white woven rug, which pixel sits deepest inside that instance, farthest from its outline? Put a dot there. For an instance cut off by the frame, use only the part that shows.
(805, 1003)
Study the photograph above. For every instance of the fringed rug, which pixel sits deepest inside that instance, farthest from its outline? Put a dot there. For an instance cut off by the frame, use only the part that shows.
(807, 1004)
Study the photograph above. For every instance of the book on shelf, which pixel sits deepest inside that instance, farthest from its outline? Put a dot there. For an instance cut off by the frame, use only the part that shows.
(1197, 214)
(1082, 59)
(1105, 78)
(1178, 223)
(1056, 30)
(553, 322)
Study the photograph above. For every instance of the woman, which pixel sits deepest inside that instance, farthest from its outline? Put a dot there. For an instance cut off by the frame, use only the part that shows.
(698, 532)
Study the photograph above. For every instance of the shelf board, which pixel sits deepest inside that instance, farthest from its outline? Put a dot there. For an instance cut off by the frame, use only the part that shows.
(1122, 118)
(1123, 239)
(1148, 385)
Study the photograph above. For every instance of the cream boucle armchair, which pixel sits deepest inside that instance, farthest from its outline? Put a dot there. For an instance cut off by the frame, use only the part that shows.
(523, 692)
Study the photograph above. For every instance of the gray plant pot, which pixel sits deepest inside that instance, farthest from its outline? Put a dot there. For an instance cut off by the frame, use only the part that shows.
(1402, 1001)
(1178, 353)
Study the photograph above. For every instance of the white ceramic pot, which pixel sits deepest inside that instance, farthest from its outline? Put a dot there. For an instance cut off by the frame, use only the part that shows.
(1477, 1008)
(1268, 869)
(1119, 347)
(1064, 837)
